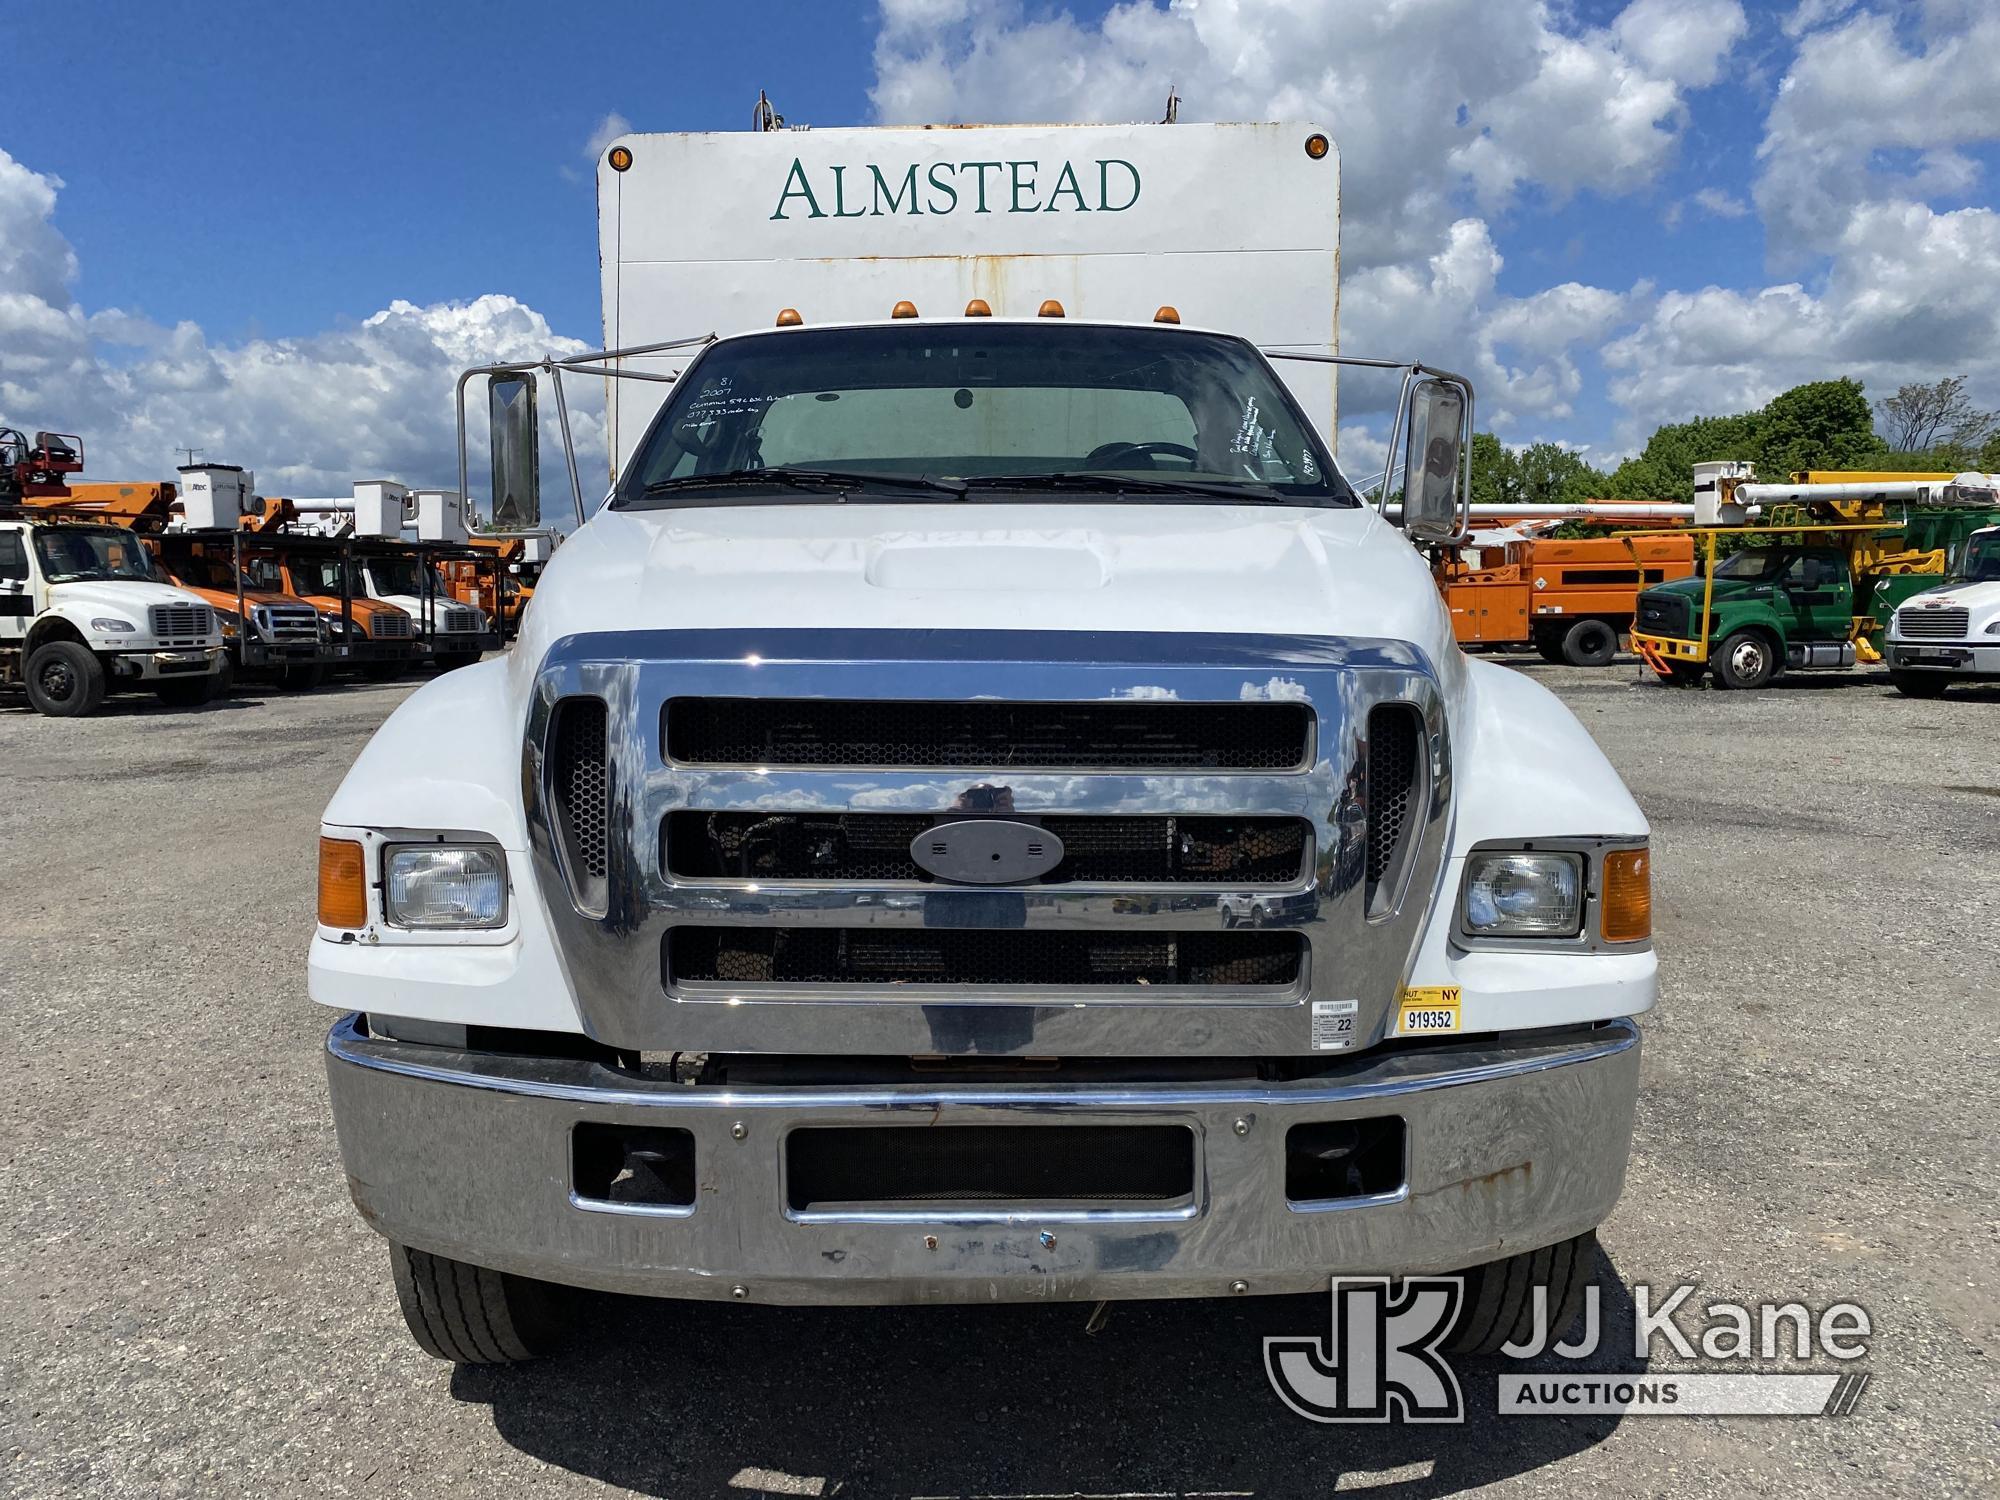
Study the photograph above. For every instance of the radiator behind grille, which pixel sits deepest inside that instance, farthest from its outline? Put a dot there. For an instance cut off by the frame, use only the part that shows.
(979, 956)
(987, 736)
(875, 847)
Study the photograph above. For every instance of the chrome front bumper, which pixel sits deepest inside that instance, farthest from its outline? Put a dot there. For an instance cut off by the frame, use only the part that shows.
(1509, 1148)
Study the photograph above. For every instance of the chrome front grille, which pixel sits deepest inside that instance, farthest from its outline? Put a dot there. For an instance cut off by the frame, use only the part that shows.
(388, 627)
(287, 624)
(724, 827)
(1914, 622)
(181, 624)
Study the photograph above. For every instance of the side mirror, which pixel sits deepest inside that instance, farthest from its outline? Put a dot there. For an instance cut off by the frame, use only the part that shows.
(516, 452)
(1433, 462)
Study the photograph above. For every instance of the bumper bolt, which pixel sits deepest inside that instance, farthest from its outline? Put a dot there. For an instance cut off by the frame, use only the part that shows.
(1242, 1126)
(930, 1242)
(1238, 1288)
(1048, 1240)
(739, 1292)
(739, 1130)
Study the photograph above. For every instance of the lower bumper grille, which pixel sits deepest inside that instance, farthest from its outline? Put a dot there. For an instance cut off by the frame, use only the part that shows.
(1096, 850)
(836, 1168)
(979, 956)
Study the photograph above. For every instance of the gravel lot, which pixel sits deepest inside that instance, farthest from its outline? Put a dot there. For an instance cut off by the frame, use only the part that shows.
(191, 1306)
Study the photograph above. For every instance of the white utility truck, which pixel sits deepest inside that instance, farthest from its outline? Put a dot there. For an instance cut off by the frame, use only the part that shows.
(83, 613)
(1951, 634)
(839, 893)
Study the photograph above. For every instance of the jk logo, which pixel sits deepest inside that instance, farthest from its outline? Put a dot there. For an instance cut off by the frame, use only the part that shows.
(1379, 1361)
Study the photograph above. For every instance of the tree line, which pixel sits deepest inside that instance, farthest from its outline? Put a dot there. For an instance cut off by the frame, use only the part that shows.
(1825, 424)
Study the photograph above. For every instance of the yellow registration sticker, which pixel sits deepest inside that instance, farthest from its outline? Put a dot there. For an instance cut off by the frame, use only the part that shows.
(1432, 1011)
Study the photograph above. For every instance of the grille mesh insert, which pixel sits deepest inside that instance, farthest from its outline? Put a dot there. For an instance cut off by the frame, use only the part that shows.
(980, 736)
(1393, 788)
(829, 1166)
(876, 847)
(577, 781)
(1920, 624)
(979, 956)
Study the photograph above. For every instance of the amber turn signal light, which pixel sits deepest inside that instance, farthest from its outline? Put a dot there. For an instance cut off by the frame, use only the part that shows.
(343, 884)
(1625, 909)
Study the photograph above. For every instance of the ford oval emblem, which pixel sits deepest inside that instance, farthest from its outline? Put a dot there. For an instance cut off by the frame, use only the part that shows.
(987, 851)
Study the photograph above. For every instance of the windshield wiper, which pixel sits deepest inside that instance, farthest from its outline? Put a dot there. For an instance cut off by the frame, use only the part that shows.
(784, 476)
(1104, 483)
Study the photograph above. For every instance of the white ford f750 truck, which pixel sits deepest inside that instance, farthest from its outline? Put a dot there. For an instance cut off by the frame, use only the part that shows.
(985, 810)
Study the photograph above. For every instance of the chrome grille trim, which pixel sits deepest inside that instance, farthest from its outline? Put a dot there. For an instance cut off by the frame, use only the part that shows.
(181, 623)
(613, 958)
(287, 624)
(1915, 623)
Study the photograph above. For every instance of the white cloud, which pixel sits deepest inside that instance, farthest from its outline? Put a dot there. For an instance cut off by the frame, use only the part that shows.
(309, 414)
(1682, 40)
(1718, 204)
(608, 130)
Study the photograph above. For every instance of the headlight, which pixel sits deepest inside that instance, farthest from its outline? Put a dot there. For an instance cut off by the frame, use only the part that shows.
(1518, 893)
(332, 625)
(113, 627)
(445, 886)
(1994, 628)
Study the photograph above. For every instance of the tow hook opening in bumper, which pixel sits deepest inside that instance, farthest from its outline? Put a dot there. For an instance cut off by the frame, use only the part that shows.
(1403, 1162)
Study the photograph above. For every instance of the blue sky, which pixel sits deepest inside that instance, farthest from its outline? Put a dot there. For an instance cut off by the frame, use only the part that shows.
(1612, 213)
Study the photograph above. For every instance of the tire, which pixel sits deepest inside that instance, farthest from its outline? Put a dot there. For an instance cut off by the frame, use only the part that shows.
(1589, 643)
(303, 678)
(1499, 1306)
(65, 680)
(1549, 646)
(451, 661)
(1747, 659)
(384, 671)
(1920, 684)
(473, 1316)
(1683, 673)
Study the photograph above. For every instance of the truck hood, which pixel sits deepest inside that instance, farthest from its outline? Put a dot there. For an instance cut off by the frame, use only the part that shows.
(1075, 567)
(1981, 599)
(125, 601)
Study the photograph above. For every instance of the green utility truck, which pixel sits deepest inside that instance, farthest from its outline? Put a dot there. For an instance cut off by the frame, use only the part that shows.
(1797, 597)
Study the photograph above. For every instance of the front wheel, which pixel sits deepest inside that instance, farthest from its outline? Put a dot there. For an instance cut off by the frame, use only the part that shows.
(385, 671)
(1747, 659)
(1920, 684)
(473, 1316)
(1499, 1305)
(1682, 673)
(1590, 643)
(303, 677)
(65, 680)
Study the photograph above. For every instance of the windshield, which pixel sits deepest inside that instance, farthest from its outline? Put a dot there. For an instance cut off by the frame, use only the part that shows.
(1982, 559)
(402, 575)
(1765, 564)
(71, 553)
(991, 407)
(321, 576)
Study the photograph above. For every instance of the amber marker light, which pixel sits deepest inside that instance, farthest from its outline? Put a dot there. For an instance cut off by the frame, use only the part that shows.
(620, 158)
(1167, 315)
(1625, 910)
(1050, 309)
(343, 884)
(789, 318)
(1317, 146)
(977, 308)
(904, 309)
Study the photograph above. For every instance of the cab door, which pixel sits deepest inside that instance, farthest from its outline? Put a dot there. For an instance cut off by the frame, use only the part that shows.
(17, 585)
(1819, 596)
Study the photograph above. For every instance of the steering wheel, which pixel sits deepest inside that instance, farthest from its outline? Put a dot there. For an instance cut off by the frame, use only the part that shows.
(1106, 455)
